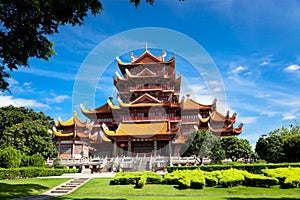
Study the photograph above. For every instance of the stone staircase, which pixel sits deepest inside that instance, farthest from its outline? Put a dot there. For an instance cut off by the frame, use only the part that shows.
(67, 187)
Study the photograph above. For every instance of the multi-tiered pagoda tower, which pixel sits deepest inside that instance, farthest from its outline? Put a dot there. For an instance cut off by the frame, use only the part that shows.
(150, 117)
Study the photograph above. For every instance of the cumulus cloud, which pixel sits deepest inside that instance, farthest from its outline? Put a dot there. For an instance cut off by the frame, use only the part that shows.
(18, 102)
(248, 120)
(288, 116)
(292, 68)
(57, 99)
(264, 63)
(239, 69)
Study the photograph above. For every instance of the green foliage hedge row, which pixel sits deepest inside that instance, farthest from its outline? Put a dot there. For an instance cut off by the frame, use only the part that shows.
(251, 168)
(197, 179)
(288, 177)
(29, 172)
(137, 178)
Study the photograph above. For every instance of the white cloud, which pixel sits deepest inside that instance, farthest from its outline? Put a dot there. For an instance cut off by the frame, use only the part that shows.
(239, 69)
(292, 68)
(264, 63)
(26, 84)
(269, 113)
(247, 74)
(18, 102)
(248, 120)
(57, 99)
(288, 116)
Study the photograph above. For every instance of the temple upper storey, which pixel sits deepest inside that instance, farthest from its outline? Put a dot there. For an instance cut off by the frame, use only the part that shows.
(147, 60)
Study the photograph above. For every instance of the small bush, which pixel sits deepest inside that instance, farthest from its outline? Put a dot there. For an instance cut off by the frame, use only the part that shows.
(198, 183)
(10, 158)
(260, 180)
(210, 179)
(152, 177)
(184, 183)
(288, 177)
(231, 178)
(141, 182)
(37, 160)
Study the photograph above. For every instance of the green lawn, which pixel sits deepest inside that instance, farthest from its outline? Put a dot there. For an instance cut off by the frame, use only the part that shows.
(16, 188)
(100, 189)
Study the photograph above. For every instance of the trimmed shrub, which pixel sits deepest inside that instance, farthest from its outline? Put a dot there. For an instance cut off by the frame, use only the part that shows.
(25, 161)
(184, 183)
(152, 177)
(37, 160)
(198, 183)
(57, 164)
(141, 182)
(259, 180)
(252, 168)
(210, 179)
(27, 172)
(126, 178)
(231, 178)
(10, 158)
(288, 177)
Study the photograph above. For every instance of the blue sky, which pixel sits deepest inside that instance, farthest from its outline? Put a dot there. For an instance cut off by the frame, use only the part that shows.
(254, 44)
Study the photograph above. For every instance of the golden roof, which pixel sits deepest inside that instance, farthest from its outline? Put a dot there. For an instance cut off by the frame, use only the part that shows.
(60, 134)
(190, 104)
(106, 108)
(227, 130)
(132, 129)
(203, 120)
(71, 122)
(146, 58)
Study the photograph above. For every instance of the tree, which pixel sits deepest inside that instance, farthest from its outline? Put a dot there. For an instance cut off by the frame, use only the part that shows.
(236, 148)
(200, 143)
(27, 131)
(270, 148)
(26, 23)
(217, 154)
(281, 145)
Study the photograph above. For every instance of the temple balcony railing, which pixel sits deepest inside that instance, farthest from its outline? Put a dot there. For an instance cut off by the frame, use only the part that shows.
(154, 118)
(150, 88)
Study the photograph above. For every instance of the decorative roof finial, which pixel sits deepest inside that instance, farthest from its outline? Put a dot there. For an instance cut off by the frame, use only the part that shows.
(146, 46)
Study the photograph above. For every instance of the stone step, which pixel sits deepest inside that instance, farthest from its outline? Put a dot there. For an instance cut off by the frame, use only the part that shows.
(70, 186)
(60, 191)
(65, 188)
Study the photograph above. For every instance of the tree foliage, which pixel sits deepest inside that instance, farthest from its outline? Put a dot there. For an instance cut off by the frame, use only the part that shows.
(281, 145)
(10, 158)
(26, 23)
(27, 131)
(202, 143)
(236, 148)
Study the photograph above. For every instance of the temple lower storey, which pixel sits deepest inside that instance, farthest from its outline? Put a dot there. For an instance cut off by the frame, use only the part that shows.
(149, 118)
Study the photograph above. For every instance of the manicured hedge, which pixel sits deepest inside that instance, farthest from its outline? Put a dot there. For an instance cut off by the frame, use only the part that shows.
(256, 180)
(28, 172)
(231, 177)
(141, 182)
(252, 168)
(137, 178)
(288, 177)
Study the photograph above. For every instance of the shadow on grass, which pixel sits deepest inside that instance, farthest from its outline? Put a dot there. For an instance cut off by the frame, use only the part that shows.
(263, 198)
(96, 198)
(11, 191)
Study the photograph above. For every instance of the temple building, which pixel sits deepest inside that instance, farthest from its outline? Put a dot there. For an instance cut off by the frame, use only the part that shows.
(150, 118)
